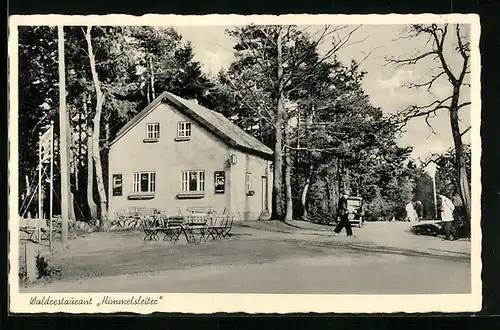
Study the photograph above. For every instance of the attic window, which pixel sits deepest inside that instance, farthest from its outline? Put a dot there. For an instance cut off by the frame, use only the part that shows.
(183, 130)
(152, 132)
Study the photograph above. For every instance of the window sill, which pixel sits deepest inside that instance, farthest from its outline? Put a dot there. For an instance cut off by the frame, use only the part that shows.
(141, 196)
(182, 138)
(193, 195)
(150, 140)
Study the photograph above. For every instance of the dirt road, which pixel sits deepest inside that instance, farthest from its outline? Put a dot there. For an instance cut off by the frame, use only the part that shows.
(381, 274)
(383, 259)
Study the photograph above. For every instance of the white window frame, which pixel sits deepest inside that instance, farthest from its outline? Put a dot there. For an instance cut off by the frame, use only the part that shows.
(136, 182)
(248, 182)
(153, 131)
(200, 181)
(184, 129)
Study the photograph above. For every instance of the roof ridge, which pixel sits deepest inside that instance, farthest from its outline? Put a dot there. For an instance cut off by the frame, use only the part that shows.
(212, 120)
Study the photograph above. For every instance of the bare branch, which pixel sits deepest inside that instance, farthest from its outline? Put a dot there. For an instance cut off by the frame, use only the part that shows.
(258, 110)
(342, 43)
(368, 54)
(463, 105)
(413, 60)
(414, 111)
(461, 46)
(268, 70)
(440, 43)
(465, 131)
(428, 83)
(311, 149)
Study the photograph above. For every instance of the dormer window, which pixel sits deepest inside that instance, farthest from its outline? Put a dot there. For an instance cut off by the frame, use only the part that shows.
(152, 132)
(183, 130)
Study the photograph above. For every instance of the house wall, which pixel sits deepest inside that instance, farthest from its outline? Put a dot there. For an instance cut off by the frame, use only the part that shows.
(168, 157)
(243, 206)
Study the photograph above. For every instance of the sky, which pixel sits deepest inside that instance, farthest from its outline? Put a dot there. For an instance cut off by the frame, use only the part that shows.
(383, 83)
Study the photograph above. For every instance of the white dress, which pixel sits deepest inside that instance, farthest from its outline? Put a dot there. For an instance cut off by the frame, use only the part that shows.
(447, 209)
(411, 214)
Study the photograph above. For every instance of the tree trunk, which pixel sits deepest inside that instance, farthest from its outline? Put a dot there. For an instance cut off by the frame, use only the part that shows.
(107, 133)
(329, 196)
(347, 181)
(303, 197)
(278, 146)
(463, 180)
(98, 170)
(152, 77)
(288, 176)
(90, 177)
(148, 94)
(95, 138)
(72, 215)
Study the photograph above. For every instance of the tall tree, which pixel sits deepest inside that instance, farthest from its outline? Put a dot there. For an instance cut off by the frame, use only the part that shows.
(38, 98)
(269, 69)
(443, 41)
(96, 151)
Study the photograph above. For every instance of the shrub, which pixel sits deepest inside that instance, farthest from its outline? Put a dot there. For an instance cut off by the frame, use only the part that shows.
(461, 224)
(43, 268)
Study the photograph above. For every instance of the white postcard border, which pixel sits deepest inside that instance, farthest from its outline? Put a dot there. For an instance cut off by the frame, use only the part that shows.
(251, 303)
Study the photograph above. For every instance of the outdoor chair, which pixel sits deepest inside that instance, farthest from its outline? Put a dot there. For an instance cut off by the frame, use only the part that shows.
(172, 228)
(29, 228)
(196, 224)
(151, 229)
(226, 228)
(219, 227)
(214, 228)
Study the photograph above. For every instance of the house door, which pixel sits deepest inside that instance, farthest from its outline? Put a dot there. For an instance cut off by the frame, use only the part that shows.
(264, 194)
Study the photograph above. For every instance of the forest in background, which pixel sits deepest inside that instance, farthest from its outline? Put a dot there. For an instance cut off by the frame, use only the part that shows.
(304, 104)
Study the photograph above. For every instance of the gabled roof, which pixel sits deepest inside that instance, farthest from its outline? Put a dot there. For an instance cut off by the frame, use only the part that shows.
(213, 121)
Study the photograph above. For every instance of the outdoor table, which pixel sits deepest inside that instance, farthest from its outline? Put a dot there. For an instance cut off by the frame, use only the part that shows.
(172, 227)
(195, 224)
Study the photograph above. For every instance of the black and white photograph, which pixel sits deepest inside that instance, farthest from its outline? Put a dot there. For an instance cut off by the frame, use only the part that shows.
(225, 163)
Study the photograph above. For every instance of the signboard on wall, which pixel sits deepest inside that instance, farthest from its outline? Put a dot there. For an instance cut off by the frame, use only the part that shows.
(219, 181)
(117, 184)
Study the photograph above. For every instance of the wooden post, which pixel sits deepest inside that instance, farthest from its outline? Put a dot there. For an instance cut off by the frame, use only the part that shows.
(63, 137)
(40, 214)
(51, 182)
(30, 259)
(435, 197)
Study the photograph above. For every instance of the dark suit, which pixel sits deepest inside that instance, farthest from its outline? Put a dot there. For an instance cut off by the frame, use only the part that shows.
(343, 215)
(420, 209)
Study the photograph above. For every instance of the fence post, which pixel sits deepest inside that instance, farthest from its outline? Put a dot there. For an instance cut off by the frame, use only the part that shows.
(30, 258)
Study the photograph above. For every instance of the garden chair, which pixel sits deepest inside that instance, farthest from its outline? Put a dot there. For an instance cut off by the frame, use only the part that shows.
(216, 226)
(172, 228)
(151, 229)
(196, 224)
(228, 225)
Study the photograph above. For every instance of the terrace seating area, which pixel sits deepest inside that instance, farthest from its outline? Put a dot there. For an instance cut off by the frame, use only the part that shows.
(195, 224)
(34, 226)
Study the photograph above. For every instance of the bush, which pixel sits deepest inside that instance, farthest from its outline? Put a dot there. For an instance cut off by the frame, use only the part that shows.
(461, 224)
(43, 268)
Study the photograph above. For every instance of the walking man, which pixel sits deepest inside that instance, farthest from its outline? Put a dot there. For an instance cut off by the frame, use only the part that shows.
(342, 212)
(446, 209)
(419, 207)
